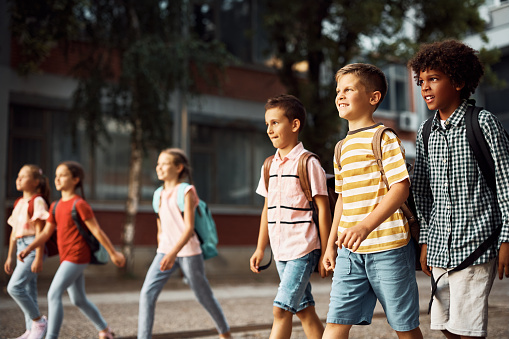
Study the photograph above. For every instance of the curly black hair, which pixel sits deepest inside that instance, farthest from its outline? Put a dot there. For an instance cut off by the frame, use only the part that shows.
(459, 62)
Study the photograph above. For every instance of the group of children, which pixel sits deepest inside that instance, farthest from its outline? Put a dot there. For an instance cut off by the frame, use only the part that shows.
(367, 244)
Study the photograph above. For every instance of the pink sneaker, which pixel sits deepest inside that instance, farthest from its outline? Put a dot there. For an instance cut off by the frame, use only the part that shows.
(38, 328)
(24, 335)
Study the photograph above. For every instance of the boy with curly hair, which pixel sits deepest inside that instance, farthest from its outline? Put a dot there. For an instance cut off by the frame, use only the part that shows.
(456, 208)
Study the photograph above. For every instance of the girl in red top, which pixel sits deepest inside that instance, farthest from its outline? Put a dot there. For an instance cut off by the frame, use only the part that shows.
(27, 221)
(73, 249)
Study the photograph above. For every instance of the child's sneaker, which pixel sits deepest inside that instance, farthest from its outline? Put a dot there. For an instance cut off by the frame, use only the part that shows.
(38, 328)
(24, 335)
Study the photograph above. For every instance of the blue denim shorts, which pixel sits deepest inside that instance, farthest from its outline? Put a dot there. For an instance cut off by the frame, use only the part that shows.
(294, 292)
(360, 279)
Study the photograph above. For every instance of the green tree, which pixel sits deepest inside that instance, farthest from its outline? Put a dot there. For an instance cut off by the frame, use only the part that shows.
(328, 34)
(133, 55)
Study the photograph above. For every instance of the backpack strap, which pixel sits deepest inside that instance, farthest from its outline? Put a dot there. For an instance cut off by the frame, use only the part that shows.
(302, 172)
(266, 171)
(54, 209)
(426, 131)
(479, 146)
(180, 196)
(337, 152)
(377, 151)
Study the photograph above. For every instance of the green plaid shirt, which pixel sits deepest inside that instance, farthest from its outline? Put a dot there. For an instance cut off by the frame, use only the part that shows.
(456, 208)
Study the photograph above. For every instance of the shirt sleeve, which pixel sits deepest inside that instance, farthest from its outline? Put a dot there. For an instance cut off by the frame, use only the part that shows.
(84, 210)
(421, 188)
(317, 177)
(393, 159)
(499, 145)
(40, 209)
(192, 190)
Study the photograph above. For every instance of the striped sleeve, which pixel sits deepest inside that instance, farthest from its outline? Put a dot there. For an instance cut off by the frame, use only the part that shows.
(393, 159)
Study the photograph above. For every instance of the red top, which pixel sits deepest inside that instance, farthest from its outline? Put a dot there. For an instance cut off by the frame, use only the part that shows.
(72, 246)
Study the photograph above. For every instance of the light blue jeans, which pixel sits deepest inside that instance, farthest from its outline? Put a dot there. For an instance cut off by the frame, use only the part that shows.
(22, 286)
(69, 276)
(194, 270)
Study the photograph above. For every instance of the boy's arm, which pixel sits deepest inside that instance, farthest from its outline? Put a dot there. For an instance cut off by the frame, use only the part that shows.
(352, 237)
(263, 241)
(329, 259)
(324, 222)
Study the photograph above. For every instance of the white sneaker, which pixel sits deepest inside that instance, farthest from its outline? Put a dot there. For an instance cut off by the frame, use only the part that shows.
(24, 335)
(38, 328)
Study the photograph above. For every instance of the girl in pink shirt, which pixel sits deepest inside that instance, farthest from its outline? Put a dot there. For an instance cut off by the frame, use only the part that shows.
(178, 246)
(27, 220)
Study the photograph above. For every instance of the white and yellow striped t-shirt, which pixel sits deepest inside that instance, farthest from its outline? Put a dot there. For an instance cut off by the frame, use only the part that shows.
(361, 186)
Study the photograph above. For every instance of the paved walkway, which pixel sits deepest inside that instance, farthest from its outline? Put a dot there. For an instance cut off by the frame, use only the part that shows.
(247, 305)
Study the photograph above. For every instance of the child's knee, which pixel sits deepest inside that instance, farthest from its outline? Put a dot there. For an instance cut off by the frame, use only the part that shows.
(280, 313)
(14, 289)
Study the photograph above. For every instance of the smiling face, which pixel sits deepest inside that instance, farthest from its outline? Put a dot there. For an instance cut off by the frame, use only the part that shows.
(282, 132)
(353, 102)
(166, 168)
(25, 181)
(439, 93)
(64, 181)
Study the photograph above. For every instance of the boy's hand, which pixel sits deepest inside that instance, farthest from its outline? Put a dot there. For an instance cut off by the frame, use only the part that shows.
(503, 260)
(321, 268)
(9, 266)
(329, 259)
(256, 259)
(424, 263)
(352, 237)
(37, 265)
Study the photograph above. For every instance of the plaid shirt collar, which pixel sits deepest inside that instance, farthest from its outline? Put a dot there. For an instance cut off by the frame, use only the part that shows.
(456, 119)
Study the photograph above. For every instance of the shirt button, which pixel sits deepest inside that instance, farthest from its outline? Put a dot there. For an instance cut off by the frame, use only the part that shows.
(445, 160)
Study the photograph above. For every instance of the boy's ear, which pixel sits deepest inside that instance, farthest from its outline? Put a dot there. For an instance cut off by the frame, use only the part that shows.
(460, 87)
(375, 98)
(295, 125)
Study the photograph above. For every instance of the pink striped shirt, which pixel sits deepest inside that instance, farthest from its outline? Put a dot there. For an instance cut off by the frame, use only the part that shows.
(292, 232)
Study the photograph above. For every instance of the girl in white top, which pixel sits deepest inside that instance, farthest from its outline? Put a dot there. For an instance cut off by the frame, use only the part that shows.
(178, 246)
(27, 221)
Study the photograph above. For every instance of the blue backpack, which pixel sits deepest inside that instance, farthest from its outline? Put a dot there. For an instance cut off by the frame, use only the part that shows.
(204, 224)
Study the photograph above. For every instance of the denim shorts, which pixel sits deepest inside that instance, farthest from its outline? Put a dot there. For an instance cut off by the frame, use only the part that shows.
(294, 292)
(360, 279)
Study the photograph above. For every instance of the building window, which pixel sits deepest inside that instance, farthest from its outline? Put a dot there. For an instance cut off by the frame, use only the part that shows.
(227, 163)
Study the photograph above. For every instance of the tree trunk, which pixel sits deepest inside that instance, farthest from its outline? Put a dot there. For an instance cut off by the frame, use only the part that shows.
(133, 197)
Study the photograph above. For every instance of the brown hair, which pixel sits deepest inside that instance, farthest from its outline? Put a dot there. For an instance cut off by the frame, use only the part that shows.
(180, 158)
(369, 76)
(291, 106)
(77, 172)
(43, 186)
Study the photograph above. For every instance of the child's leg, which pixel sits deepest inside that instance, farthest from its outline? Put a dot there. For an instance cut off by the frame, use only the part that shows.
(282, 326)
(311, 324)
(294, 295)
(152, 286)
(392, 276)
(352, 300)
(336, 331)
(65, 276)
(22, 286)
(79, 299)
(194, 270)
(460, 307)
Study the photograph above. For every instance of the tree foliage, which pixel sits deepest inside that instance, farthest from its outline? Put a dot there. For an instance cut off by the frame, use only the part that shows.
(328, 34)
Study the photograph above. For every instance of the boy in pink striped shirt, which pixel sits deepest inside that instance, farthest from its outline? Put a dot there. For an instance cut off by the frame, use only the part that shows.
(287, 221)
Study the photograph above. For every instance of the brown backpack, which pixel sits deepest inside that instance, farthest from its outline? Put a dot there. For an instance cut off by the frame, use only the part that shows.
(302, 172)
